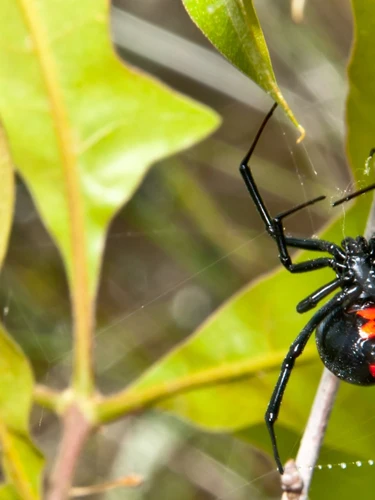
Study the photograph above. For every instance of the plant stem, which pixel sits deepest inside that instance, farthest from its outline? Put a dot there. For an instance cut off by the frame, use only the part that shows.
(316, 427)
(138, 398)
(83, 378)
(76, 429)
(314, 432)
(47, 398)
(128, 482)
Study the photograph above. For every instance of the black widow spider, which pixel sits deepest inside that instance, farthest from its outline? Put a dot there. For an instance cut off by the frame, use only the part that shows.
(345, 325)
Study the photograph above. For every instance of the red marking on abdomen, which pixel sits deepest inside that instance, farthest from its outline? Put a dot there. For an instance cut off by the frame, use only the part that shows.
(372, 370)
(367, 330)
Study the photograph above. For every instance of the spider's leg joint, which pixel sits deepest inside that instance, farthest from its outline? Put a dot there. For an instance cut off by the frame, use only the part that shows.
(285, 261)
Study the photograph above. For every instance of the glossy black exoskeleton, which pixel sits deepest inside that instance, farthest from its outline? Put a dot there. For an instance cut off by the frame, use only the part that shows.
(345, 325)
(345, 349)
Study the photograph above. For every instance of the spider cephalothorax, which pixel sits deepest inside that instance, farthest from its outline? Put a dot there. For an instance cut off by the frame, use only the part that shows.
(345, 324)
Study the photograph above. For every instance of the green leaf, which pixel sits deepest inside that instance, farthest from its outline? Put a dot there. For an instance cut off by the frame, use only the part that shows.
(361, 99)
(225, 373)
(6, 194)
(83, 128)
(257, 326)
(22, 462)
(233, 28)
(7, 492)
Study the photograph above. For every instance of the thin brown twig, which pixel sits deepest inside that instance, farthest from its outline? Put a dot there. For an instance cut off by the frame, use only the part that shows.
(314, 434)
(76, 429)
(130, 481)
(316, 427)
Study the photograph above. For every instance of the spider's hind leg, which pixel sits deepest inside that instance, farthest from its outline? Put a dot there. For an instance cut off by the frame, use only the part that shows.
(347, 297)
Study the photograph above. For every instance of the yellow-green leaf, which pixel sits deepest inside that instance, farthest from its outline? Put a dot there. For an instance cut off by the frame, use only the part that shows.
(234, 29)
(225, 373)
(83, 128)
(361, 98)
(260, 322)
(7, 492)
(22, 462)
(6, 194)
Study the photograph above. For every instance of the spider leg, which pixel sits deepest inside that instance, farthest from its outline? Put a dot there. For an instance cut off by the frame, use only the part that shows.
(274, 225)
(316, 245)
(295, 350)
(275, 229)
(311, 265)
(249, 180)
(314, 298)
(320, 245)
(353, 195)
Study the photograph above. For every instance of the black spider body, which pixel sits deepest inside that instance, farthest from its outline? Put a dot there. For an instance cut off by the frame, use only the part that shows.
(345, 324)
(344, 349)
(346, 337)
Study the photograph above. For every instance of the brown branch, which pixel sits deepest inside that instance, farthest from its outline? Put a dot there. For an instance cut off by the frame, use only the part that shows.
(76, 429)
(316, 427)
(312, 439)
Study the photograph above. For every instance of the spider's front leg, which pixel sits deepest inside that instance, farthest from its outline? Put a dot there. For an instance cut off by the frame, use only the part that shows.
(275, 229)
(274, 225)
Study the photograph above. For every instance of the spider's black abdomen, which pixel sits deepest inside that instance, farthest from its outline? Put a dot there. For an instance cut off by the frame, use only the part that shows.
(346, 344)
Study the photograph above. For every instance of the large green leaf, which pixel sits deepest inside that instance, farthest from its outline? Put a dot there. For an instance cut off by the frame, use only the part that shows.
(233, 28)
(235, 357)
(6, 194)
(83, 131)
(83, 128)
(361, 99)
(7, 492)
(22, 462)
